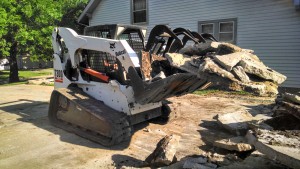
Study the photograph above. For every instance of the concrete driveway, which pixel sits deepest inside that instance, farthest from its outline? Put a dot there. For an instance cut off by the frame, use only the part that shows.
(27, 140)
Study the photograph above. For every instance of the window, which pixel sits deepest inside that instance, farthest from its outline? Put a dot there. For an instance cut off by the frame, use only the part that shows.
(139, 11)
(224, 30)
(208, 28)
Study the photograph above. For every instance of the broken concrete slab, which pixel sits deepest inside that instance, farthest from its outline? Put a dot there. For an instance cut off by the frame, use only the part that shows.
(271, 88)
(254, 161)
(255, 88)
(223, 160)
(260, 70)
(289, 138)
(164, 153)
(258, 122)
(182, 62)
(230, 60)
(239, 72)
(280, 145)
(221, 48)
(209, 66)
(261, 88)
(227, 48)
(234, 144)
(291, 98)
(283, 108)
(200, 49)
(292, 109)
(235, 122)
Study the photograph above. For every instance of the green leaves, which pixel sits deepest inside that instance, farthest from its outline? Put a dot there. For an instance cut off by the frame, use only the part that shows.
(30, 24)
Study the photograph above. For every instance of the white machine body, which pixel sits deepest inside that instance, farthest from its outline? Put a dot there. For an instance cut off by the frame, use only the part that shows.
(115, 95)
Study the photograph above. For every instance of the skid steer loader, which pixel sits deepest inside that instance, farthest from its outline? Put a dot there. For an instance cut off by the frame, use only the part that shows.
(100, 88)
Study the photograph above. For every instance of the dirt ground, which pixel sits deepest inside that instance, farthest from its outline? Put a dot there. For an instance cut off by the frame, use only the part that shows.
(27, 140)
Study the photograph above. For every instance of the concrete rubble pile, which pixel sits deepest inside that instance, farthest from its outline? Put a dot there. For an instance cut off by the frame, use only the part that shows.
(269, 139)
(228, 67)
(266, 139)
(275, 135)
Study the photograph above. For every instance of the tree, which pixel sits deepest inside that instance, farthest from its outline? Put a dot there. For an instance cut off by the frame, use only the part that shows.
(69, 18)
(26, 26)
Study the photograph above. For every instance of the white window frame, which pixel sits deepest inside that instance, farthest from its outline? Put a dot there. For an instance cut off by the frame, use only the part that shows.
(209, 24)
(216, 27)
(233, 30)
(132, 13)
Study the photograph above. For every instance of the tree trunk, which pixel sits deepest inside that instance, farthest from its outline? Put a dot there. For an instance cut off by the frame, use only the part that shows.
(13, 75)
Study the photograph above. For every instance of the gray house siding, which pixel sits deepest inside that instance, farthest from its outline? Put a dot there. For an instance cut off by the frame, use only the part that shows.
(270, 27)
(111, 12)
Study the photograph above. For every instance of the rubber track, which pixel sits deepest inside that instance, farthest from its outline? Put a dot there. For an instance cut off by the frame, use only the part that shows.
(120, 129)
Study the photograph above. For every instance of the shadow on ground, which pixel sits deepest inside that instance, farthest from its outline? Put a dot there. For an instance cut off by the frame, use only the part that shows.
(127, 161)
(35, 112)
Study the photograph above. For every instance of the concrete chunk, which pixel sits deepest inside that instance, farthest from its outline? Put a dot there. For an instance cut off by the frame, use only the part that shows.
(209, 66)
(291, 97)
(235, 122)
(182, 62)
(260, 70)
(261, 88)
(164, 153)
(241, 74)
(234, 144)
(280, 145)
(200, 49)
(292, 109)
(227, 48)
(254, 161)
(230, 60)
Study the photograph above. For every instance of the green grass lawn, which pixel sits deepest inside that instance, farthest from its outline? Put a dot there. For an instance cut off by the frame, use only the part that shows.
(24, 75)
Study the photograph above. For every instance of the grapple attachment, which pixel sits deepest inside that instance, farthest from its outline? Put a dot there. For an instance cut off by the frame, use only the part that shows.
(174, 85)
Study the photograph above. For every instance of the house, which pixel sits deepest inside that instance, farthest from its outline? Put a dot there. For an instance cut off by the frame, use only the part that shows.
(4, 64)
(270, 27)
(24, 62)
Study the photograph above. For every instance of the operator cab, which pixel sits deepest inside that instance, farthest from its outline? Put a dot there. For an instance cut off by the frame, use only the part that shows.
(104, 62)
